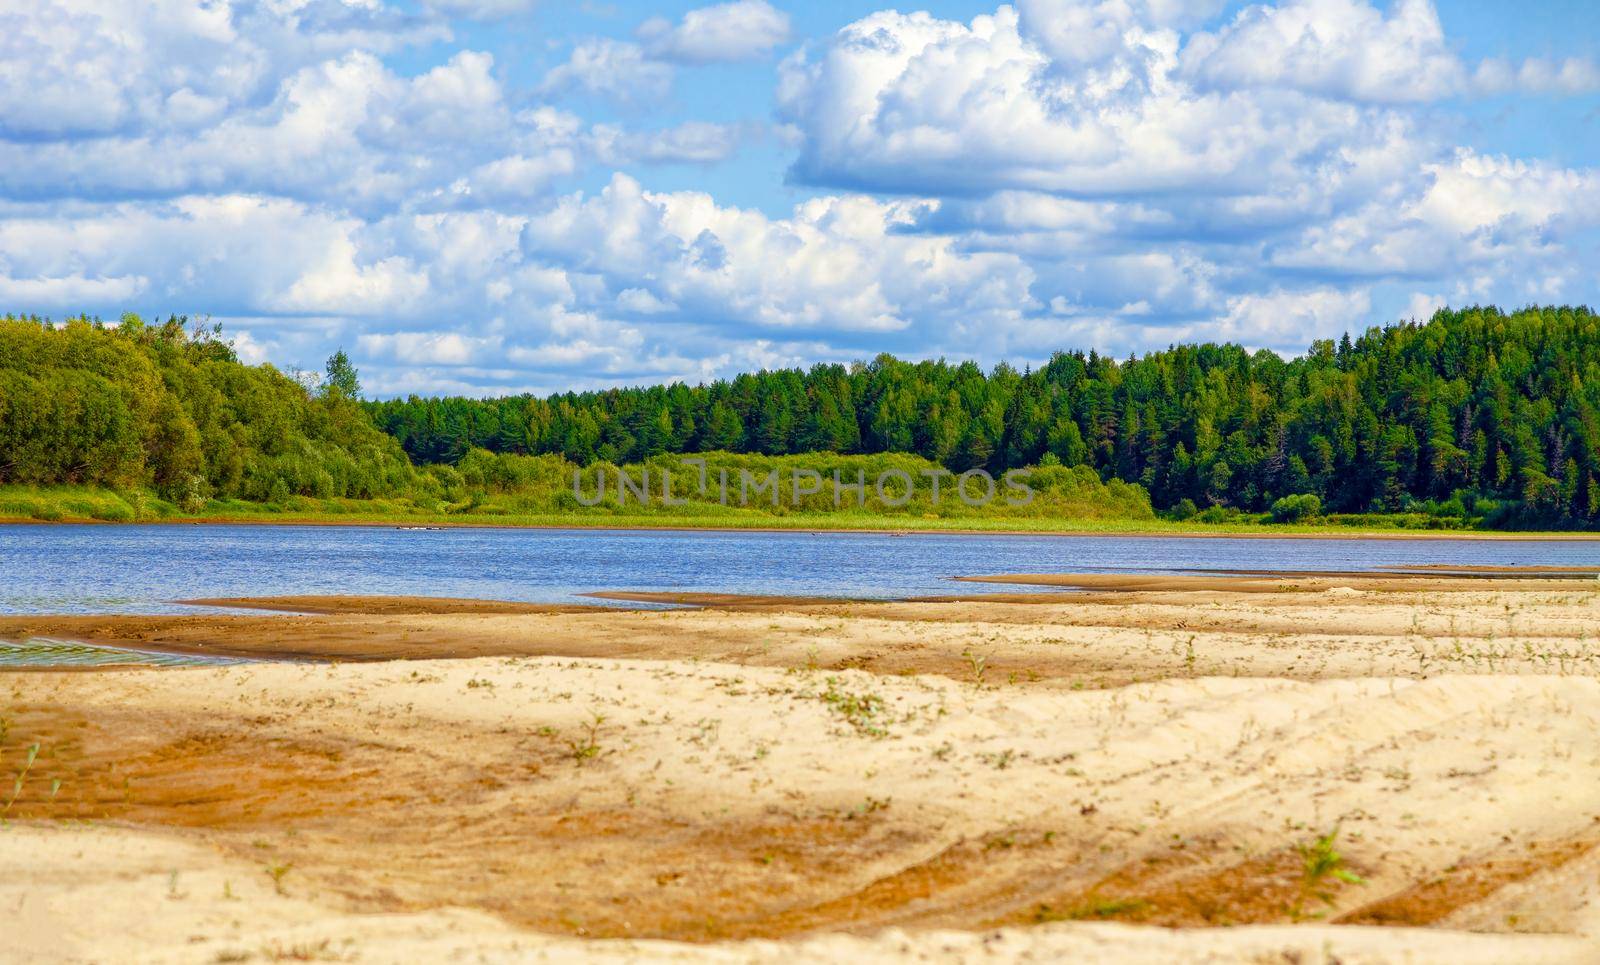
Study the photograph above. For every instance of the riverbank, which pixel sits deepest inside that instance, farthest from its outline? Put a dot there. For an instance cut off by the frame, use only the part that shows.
(91, 505)
(1354, 767)
(877, 525)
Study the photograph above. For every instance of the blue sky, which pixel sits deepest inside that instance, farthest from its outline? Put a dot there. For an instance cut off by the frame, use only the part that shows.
(490, 196)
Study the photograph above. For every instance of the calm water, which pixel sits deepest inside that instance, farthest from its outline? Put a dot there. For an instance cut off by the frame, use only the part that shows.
(45, 652)
(143, 569)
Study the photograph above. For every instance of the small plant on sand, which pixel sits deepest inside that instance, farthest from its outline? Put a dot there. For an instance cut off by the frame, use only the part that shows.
(22, 776)
(277, 872)
(864, 712)
(587, 745)
(872, 805)
(1002, 760)
(1093, 907)
(1323, 865)
(978, 664)
(322, 951)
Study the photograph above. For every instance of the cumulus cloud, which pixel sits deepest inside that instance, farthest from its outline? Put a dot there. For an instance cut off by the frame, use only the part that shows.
(1342, 48)
(1064, 173)
(539, 298)
(836, 265)
(429, 348)
(632, 73)
(1351, 49)
(350, 131)
(1291, 319)
(1468, 213)
(724, 33)
(912, 103)
(1164, 181)
(616, 69)
(84, 68)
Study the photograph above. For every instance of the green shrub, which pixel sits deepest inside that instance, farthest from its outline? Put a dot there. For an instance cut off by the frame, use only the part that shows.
(1296, 508)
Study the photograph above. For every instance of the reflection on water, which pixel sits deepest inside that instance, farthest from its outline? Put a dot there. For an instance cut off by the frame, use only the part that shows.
(39, 652)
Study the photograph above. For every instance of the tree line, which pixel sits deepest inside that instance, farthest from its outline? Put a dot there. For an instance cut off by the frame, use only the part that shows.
(168, 407)
(1474, 412)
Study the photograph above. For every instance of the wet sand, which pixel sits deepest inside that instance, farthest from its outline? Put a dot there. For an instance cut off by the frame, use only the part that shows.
(1069, 773)
(381, 605)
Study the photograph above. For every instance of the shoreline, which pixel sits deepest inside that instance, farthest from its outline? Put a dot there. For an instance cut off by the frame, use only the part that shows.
(367, 628)
(653, 527)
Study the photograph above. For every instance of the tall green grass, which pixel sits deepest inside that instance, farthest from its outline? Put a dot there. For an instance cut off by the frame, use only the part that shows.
(510, 490)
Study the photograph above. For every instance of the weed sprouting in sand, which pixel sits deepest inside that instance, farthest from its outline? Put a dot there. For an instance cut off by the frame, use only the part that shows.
(22, 776)
(322, 951)
(277, 872)
(872, 805)
(587, 745)
(1001, 760)
(863, 711)
(1094, 907)
(1322, 864)
(978, 664)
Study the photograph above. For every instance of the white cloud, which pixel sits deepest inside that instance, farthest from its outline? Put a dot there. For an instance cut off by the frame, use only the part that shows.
(1339, 48)
(1421, 306)
(909, 103)
(641, 302)
(1570, 76)
(74, 68)
(616, 69)
(695, 142)
(1290, 320)
(1350, 49)
(429, 348)
(1472, 212)
(726, 32)
(248, 348)
(1115, 173)
(481, 9)
(352, 132)
(70, 291)
(836, 265)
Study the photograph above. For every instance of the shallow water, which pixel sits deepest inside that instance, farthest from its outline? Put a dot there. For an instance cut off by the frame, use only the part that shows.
(145, 569)
(44, 652)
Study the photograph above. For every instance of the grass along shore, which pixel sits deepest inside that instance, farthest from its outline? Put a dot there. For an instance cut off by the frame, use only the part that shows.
(89, 504)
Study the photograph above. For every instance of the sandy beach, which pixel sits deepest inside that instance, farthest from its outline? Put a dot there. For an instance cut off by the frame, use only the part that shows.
(1212, 768)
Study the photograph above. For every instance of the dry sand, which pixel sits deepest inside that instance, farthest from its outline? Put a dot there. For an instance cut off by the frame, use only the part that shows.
(1054, 774)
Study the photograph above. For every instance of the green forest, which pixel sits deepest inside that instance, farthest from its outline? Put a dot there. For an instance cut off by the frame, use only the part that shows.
(170, 409)
(1474, 418)
(1474, 415)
